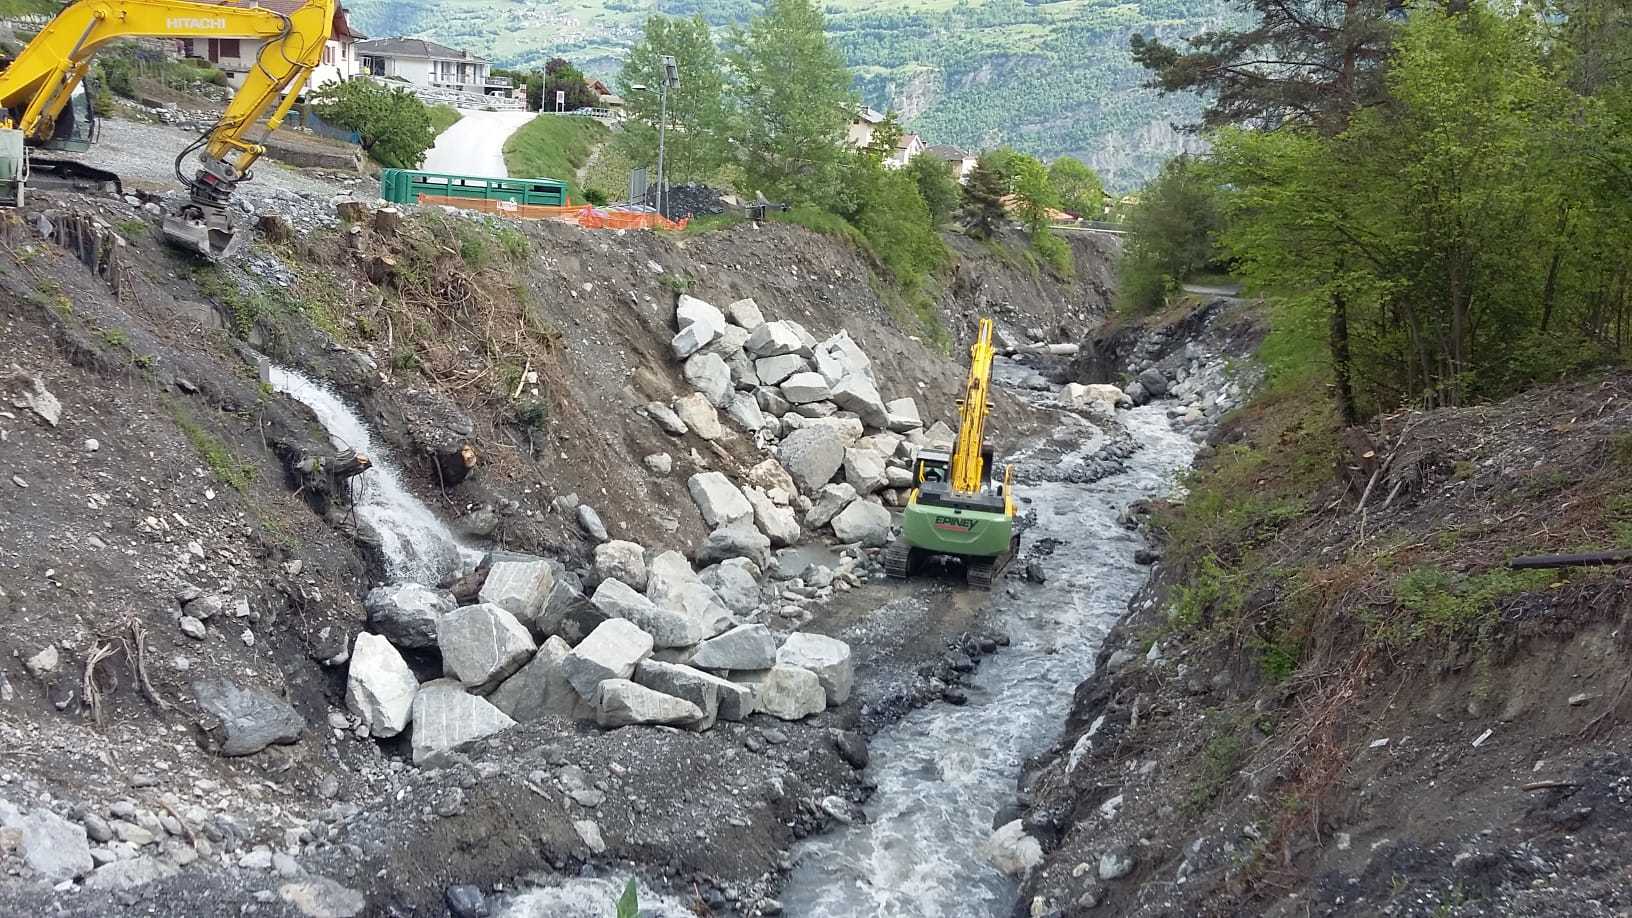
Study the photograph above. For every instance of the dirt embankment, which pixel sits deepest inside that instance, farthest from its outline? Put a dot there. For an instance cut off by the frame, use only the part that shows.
(538, 348)
(1334, 698)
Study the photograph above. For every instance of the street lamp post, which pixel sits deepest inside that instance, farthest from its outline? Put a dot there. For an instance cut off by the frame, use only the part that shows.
(671, 77)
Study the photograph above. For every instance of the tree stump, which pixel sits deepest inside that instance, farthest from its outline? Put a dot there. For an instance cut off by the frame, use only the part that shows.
(388, 222)
(352, 211)
(275, 228)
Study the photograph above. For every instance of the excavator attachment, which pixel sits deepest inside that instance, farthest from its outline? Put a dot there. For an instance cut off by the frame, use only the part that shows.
(197, 236)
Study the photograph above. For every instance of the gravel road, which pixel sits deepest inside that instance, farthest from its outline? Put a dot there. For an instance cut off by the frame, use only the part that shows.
(474, 145)
(144, 155)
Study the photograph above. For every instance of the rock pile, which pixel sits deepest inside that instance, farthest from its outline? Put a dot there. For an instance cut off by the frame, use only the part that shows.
(655, 642)
(842, 452)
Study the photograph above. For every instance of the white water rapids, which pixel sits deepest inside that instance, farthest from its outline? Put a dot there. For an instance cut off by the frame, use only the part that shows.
(944, 772)
(416, 544)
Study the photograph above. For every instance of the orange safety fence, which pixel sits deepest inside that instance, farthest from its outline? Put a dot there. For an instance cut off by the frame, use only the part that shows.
(584, 216)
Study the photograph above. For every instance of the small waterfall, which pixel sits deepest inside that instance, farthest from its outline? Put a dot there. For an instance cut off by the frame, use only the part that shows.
(417, 545)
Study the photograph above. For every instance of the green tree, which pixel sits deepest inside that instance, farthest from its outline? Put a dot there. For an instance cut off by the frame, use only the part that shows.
(886, 137)
(794, 96)
(1172, 233)
(983, 212)
(936, 186)
(394, 126)
(1471, 227)
(1077, 188)
(884, 204)
(561, 76)
(1033, 195)
(697, 145)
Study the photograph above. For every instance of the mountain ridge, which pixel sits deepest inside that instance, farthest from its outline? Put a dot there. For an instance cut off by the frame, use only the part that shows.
(1050, 78)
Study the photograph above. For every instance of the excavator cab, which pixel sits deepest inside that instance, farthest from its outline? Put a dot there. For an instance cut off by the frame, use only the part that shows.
(934, 465)
(76, 128)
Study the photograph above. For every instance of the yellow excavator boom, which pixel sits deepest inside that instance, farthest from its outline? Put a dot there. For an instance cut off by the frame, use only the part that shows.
(967, 462)
(39, 81)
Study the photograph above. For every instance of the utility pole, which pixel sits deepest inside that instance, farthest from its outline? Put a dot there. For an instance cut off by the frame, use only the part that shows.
(671, 77)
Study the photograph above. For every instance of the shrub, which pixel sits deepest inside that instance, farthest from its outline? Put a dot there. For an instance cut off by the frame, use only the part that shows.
(394, 127)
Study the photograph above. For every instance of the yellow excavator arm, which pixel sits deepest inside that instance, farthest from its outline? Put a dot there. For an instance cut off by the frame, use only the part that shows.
(39, 81)
(967, 462)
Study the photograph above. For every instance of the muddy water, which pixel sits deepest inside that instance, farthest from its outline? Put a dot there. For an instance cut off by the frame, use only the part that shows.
(417, 545)
(944, 772)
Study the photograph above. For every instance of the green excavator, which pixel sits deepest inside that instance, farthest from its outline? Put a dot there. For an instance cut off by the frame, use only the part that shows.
(958, 507)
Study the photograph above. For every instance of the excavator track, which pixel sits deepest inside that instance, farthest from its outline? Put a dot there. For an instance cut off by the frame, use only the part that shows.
(898, 559)
(981, 573)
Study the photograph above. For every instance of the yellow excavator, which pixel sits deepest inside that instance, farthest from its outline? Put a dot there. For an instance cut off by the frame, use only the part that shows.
(46, 107)
(958, 505)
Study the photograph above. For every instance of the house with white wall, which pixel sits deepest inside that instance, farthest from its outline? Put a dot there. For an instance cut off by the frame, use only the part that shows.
(236, 56)
(906, 148)
(962, 163)
(429, 65)
(862, 126)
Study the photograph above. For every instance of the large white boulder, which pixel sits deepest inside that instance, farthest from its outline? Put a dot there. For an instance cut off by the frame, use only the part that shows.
(518, 587)
(773, 339)
(407, 613)
(380, 688)
(785, 692)
(736, 583)
(827, 657)
(689, 310)
(857, 393)
(54, 848)
(736, 540)
(708, 374)
(691, 339)
(863, 522)
(805, 388)
(666, 627)
(773, 370)
(611, 651)
(540, 688)
(621, 703)
(745, 647)
(728, 343)
(864, 470)
(746, 314)
(1011, 850)
(744, 412)
(829, 503)
(482, 645)
(700, 688)
(847, 355)
(769, 475)
(698, 416)
(446, 716)
(778, 523)
(812, 456)
(720, 501)
(621, 560)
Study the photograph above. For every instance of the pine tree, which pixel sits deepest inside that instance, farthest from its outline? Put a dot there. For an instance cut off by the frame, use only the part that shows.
(983, 212)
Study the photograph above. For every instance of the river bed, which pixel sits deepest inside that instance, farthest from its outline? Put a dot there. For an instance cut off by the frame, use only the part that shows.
(944, 772)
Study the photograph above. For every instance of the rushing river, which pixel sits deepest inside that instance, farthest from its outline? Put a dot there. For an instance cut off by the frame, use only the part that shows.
(944, 772)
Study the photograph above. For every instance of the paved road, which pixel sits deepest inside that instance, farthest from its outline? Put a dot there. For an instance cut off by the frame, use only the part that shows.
(475, 144)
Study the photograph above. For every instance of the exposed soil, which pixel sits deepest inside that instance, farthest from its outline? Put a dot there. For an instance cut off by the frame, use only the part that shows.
(1349, 728)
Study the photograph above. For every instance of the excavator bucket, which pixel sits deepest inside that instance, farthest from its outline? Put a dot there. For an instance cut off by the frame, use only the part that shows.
(196, 236)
